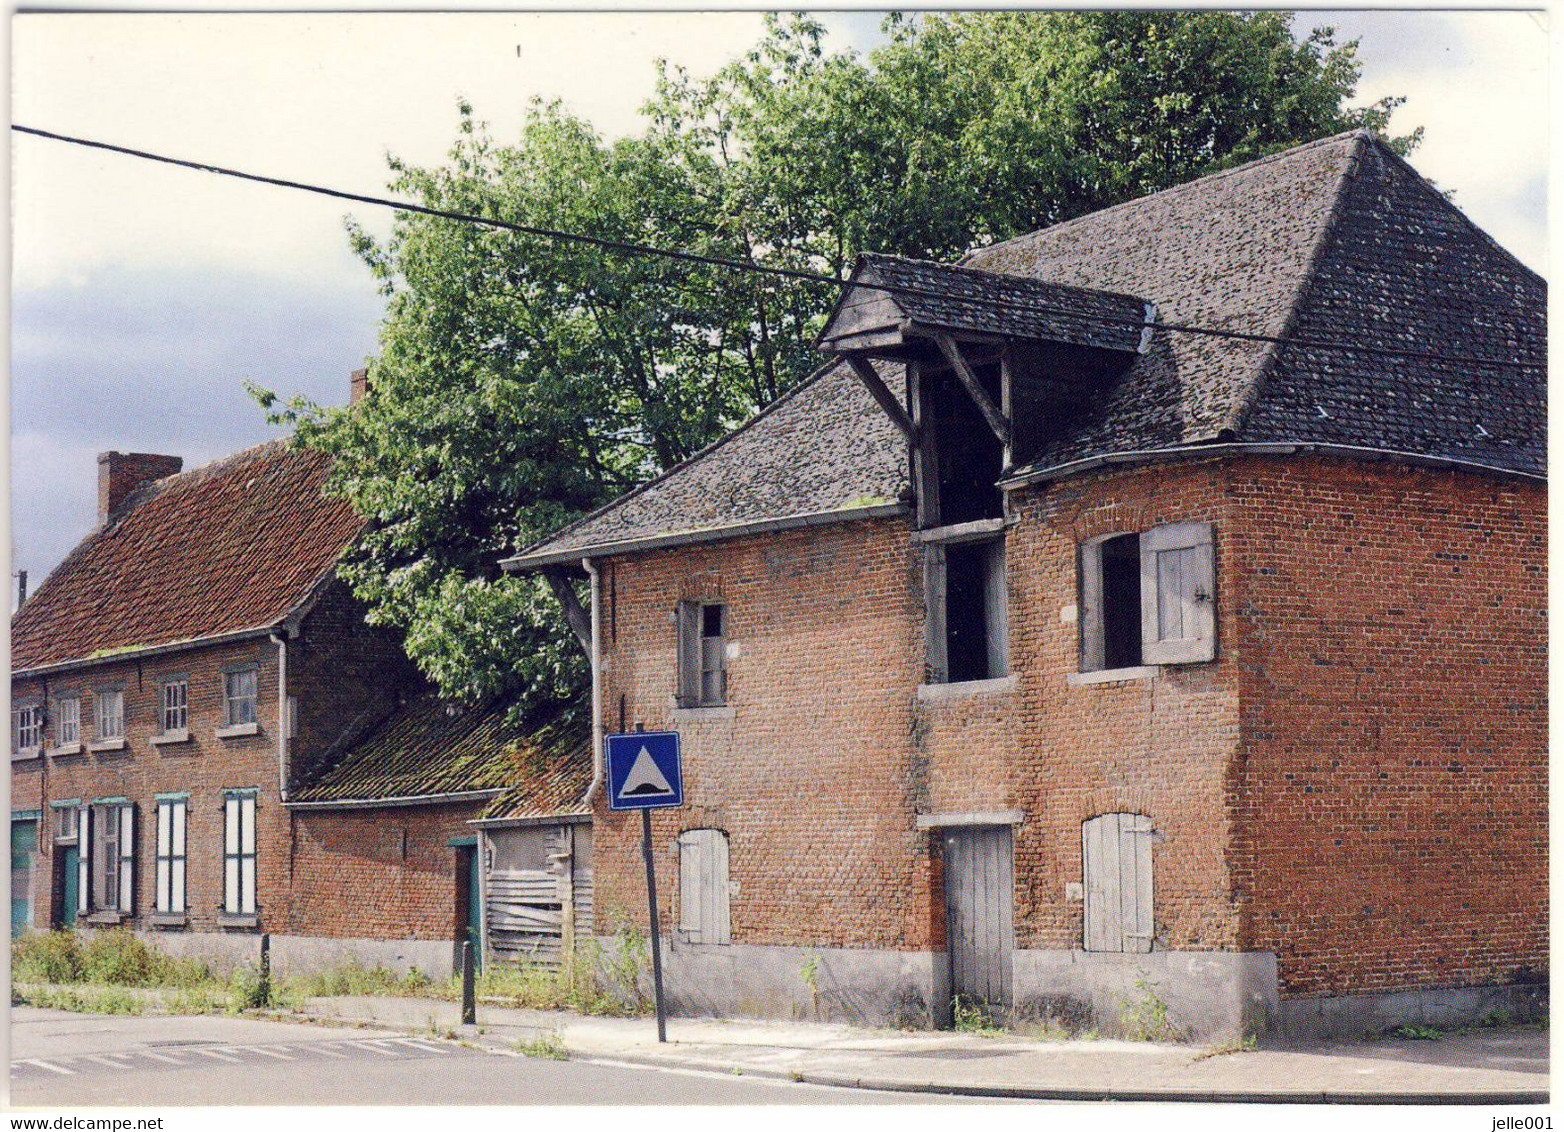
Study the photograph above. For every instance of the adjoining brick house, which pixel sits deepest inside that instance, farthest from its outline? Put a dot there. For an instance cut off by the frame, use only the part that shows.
(1037, 653)
(209, 742)
(376, 834)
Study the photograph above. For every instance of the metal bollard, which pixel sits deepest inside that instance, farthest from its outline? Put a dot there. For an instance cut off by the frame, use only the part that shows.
(469, 989)
(266, 969)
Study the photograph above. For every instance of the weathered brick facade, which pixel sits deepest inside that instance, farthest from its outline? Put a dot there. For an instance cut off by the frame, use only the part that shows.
(1372, 729)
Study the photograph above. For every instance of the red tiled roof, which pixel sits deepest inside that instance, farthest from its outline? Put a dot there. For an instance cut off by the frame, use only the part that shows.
(235, 545)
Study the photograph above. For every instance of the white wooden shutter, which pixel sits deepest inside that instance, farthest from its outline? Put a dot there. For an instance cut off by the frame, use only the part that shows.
(231, 855)
(177, 873)
(1116, 858)
(703, 886)
(1094, 655)
(247, 848)
(84, 862)
(995, 609)
(127, 858)
(689, 624)
(1178, 594)
(163, 882)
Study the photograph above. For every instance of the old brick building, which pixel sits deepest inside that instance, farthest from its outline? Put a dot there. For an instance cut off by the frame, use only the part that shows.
(1039, 652)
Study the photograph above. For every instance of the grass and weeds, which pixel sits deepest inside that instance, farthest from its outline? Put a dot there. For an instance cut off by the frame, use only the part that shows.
(546, 1045)
(115, 972)
(968, 1016)
(1147, 1017)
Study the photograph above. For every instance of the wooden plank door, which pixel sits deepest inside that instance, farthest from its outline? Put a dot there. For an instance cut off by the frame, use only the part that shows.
(979, 903)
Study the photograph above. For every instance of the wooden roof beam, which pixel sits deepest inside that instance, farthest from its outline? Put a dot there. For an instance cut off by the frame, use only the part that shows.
(877, 388)
(958, 362)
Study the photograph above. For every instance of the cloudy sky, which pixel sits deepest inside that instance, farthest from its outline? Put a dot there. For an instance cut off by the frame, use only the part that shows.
(143, 295)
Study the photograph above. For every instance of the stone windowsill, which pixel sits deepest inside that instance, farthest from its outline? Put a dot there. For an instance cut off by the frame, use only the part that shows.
(238, 920)
(965, 688)
(236, 730)
(1112, 675)
(108, 745)
(65, 749)
(711, 714)
(26, 753)
(168, 738)
(169, 920)
(107, 919)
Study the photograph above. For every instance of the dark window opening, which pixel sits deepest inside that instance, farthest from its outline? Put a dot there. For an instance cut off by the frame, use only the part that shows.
(975, 647)
(1121, 629)
(969, 456)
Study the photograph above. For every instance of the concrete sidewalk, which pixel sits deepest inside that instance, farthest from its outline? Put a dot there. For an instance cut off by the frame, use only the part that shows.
(1502, 1066)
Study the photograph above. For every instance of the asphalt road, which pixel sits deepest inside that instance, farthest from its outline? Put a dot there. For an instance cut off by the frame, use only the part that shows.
(60, 1059)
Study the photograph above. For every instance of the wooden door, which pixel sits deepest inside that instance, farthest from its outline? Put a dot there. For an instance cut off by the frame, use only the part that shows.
(24, 848)
(979, 902)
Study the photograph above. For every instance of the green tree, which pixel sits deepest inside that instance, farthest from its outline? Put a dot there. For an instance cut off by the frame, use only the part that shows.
(522, 381)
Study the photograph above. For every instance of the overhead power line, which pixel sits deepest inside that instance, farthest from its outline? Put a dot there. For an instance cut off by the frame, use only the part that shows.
(624, 247)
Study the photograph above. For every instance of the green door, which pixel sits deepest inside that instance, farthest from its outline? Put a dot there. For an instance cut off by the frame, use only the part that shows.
(69, 886)
(24, 852)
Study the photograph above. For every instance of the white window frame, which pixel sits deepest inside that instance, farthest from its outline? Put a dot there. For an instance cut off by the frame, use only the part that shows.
(705, 887)
(67, 722)
(174, 714)
(234, 714)
(239, 853)
(67, 821)
(107, 724)
(172, 854)
(27, 731)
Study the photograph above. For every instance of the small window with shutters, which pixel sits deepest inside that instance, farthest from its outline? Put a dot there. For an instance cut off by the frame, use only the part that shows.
(108, 857)
(1116, 875)
(702, 654)
(1148, 599)
(703, 886)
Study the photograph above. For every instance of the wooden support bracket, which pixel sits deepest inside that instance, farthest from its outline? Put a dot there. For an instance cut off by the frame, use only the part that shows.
(887, 399)
(996, 419)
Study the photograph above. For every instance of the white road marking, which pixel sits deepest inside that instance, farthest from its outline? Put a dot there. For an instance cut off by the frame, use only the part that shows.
(270, 1052)
(373, 1048)
(106, 1061)
(219, 1056)
(417, 1044)
(161, 1057)
(322, 1047)
(42, 1064)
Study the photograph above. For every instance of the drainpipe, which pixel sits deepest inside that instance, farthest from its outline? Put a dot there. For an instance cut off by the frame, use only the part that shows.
(597, 681)
(280, 639)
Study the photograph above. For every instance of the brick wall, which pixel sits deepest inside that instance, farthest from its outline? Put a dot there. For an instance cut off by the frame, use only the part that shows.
(1380, 652)
(203, 767)
(343, 674)
(1393, 791)
(386, 873)
(810, 775)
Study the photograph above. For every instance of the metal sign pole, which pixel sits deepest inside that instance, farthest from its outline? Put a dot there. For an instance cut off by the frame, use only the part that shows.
(651, 902)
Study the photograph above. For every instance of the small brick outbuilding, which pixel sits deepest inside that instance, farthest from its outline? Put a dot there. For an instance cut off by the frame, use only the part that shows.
(1044, 652)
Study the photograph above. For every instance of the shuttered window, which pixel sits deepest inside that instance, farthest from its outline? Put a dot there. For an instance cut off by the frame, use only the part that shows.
(108, 858)
(703, 886)
(171, 854)
(239, 854)
(176, 706)
(1148, 598)
(1116, 875)
(703, 654)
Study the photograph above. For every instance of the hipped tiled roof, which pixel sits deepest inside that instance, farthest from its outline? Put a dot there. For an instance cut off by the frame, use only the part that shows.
(1338, 239)
(429, 746)
(235, 545)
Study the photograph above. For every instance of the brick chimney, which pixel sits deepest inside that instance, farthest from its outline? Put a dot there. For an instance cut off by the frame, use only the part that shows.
(120, 473)
(358, 386)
